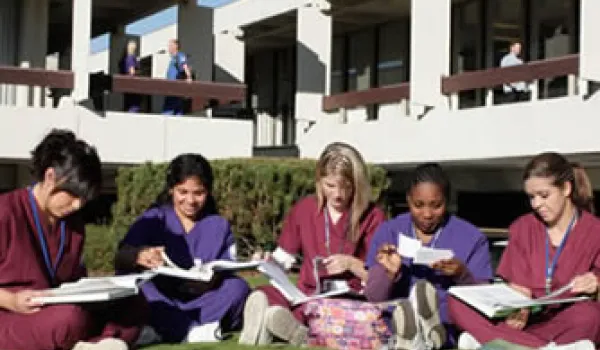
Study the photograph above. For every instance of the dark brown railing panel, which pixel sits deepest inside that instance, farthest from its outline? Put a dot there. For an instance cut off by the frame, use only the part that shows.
(385, 94)
(490, 78)
(201, 91)
(36, 77)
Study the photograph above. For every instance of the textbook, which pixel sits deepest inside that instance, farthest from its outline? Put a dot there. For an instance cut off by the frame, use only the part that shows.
(202, 271)
(295, 296)
(413, 248)
(95, 289)
(500, 300)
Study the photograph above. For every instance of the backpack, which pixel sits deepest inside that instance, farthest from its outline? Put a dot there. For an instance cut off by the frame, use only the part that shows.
(345, 324)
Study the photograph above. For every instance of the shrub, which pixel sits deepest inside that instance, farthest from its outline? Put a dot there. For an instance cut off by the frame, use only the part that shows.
(253, 194)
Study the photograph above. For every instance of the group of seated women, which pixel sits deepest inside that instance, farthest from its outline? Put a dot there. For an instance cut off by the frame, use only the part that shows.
(42, 239)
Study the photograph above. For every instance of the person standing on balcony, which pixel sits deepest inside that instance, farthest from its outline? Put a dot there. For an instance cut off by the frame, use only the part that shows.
(178, 69)
(516, 91)
(555, 246)
(129, 65)
(333, 228)
(424, 288)
(41, 247)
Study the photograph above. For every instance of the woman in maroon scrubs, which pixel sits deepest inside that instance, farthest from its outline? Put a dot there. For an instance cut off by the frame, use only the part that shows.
(555, 246)
(337, 225)
(41, 247)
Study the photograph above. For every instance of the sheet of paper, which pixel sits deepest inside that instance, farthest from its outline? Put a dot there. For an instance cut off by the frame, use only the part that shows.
(428, 256)
(407, 246)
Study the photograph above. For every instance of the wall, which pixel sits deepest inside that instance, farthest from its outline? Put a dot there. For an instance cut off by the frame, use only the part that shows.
(243, 12)
(474, 134)
(9, 31)
(126, 138)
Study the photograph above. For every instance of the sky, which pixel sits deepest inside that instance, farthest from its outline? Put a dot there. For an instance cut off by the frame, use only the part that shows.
(152, 23)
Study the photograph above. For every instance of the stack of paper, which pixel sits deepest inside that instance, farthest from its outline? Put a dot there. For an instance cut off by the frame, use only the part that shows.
(413, 249)
(202, 271)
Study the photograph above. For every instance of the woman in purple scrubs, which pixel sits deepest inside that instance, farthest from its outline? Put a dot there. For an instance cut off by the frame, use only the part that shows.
(184, 223)
(130, 65)
(422, 322)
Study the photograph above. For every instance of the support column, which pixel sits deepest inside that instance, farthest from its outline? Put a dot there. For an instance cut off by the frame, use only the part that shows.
(313, 57)
(33, 45)
(429, 54)
(80, 49)
(9, 33)
(589, 56)
(195, 34)
(230, 56)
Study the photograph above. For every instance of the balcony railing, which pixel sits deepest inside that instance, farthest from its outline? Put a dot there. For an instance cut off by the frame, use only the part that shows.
(531, 73)
(375, 96)
(59, 79)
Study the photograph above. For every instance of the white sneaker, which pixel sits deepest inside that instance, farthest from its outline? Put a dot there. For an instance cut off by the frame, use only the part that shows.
(281, 323)
(206, 333)
(255, 331)
(407, 332)
(104, 344)
(468, 342)
(578, 345)
(148, 336)
(424, 300)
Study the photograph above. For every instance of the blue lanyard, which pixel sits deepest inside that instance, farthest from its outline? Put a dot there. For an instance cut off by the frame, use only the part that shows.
(51, 268)
(550, 267)
(435, 237)
(327, 233)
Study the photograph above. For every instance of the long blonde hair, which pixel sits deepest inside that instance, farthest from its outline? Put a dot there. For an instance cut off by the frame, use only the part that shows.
(344, 160)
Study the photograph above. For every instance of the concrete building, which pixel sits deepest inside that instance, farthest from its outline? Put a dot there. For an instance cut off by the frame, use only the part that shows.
(405, 81)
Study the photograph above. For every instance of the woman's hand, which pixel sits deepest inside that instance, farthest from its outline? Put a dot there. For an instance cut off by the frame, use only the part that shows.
(450, 267)
(21, 302)
(585, 284)
(388, 257)
(150, 257)
(518, 320)
(340, 263)
(261, 256)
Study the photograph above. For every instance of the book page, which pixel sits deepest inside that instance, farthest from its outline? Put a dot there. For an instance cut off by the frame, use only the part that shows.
(228, 265)
(280, 280)
(204, 275)
(428, 256)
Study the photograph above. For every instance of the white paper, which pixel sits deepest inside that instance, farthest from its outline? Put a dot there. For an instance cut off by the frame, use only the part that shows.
(407, 246)
(428, 256)
(201, 271)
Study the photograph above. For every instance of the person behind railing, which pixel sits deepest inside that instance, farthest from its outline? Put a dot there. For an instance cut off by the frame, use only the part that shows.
(129, 65)
(420, 320)
(41, 245)
(555, 246)
(179, 69)
(331, 231)
(515, 91)
(184, 224)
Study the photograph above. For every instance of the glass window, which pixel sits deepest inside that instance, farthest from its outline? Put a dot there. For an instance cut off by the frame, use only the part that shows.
(393, 53)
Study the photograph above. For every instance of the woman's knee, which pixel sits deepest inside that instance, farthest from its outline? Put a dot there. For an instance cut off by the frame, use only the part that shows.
(71, 324)
(236, 288)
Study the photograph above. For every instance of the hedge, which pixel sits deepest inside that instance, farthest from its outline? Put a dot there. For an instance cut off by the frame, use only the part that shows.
(253, 194)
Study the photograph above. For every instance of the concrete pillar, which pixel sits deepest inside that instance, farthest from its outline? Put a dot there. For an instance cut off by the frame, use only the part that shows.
(80, 49)
(33, 45)
(313, 71)
(230, 56)
(589, 54)
(429, 53)
(195, 34)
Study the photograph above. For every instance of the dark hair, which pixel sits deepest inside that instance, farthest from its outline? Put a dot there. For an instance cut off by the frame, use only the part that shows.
(432, 173)
(76, 164)
(183, 167)
(555, 166)
(584, 187)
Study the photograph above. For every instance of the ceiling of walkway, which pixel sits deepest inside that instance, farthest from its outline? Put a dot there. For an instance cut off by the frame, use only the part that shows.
(106, 16)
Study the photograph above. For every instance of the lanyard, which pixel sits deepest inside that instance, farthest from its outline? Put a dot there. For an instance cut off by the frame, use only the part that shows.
(550, 267)
(435, 237)
(327, 233)
(51, 268)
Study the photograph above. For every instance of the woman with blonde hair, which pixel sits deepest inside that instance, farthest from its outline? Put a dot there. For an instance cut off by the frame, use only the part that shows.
(130, 65)
(334, 226)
